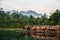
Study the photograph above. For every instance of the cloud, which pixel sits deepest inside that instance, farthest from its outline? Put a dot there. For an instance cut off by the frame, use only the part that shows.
(45, 6)
(10, 4)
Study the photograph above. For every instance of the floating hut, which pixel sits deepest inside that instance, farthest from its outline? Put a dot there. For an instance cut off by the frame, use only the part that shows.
(42, 31)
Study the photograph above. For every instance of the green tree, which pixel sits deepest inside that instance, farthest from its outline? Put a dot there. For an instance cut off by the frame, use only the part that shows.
(55, 18)
(31, 19)
(2, 14)
(43, 19)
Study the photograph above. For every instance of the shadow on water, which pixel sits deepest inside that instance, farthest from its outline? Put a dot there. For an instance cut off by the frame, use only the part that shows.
(13, 35)
(19, 35)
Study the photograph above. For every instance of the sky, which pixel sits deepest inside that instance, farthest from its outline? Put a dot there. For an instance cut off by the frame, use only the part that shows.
(45, 6)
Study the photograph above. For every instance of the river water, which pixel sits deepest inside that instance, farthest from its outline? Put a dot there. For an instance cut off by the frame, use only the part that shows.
(20, 35)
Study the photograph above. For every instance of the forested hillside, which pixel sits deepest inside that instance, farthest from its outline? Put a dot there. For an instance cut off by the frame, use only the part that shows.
(17, 20)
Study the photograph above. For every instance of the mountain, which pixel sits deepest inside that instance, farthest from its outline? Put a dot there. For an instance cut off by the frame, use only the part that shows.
(30, 12)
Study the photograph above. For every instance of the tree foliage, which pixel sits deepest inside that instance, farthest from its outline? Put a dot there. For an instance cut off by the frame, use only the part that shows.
(55, 18)
(18, 20)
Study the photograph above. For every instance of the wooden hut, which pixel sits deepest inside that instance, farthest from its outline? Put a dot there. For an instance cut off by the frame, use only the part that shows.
(43, 31)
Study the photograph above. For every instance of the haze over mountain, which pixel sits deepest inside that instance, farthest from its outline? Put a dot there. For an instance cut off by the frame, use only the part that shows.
(30, 12)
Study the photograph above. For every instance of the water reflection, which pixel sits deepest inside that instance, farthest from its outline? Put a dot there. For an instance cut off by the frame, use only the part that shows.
(44, 35)
(20, 35)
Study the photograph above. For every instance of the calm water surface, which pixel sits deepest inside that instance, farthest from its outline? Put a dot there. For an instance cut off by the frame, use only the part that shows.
(20, 35)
